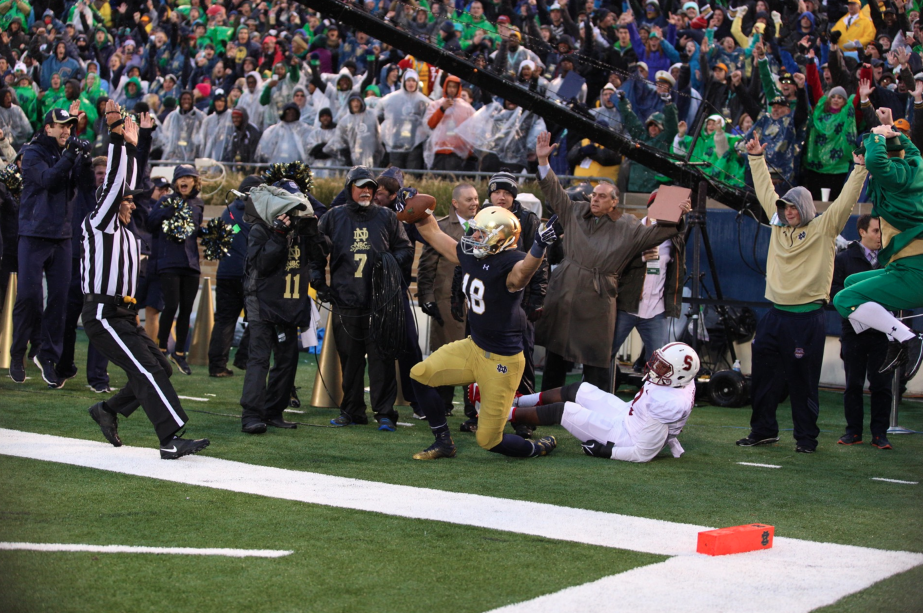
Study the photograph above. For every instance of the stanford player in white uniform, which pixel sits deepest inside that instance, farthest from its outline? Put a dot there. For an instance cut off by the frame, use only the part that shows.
(633, 431)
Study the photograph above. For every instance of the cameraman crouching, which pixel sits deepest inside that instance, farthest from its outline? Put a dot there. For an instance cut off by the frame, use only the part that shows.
(276, 283)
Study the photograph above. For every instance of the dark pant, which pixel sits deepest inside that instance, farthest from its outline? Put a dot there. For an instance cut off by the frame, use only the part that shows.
(788, 351)
(229, 302)
(118, 337)
(862, 356)
(179, 292)
(260, 399)
(527, 382)
(815, 181)
(448, 161)
(96, 362)
(556, 369)
(408, 160)
(354, 341)
(54, 258)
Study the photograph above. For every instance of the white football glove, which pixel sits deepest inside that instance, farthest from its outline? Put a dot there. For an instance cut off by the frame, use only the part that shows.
(675, 448)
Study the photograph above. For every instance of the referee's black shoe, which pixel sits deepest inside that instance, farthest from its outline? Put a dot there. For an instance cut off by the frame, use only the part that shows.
(108, 423)
(179, 447)
(48, 373)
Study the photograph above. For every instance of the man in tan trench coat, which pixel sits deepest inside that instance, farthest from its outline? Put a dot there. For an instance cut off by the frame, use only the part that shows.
(578, 322)
(434, 279)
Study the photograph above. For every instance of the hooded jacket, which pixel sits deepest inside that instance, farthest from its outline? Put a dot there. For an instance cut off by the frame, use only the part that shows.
(359, 135)
(244, 140)
(402, 111)
(286, 141)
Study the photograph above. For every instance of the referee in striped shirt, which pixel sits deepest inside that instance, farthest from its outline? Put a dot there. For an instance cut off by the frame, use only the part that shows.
(109, 278)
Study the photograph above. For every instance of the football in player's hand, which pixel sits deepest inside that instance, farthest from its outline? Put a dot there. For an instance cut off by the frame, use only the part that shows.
(417, 207)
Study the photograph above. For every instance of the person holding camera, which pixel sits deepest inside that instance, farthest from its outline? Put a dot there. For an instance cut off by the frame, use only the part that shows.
(276, 299)
(53, 166)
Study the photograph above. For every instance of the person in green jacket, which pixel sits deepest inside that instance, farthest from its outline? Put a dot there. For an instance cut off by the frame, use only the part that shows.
(896, 190)
(52, 94)
(658, 131)
(716, 147)
(831, 137)
(13, 8)
(475, 20)
(28, 100)
(72, 94)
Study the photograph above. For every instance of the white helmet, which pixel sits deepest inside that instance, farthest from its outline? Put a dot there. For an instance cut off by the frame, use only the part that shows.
(673, 365)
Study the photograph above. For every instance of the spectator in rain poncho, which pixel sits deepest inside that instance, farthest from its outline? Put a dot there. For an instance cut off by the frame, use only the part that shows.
(13, 120)
(358, 137)
(250, 99)
(180, 129)
(339, 91)
(715, 147)
(502, 135)
(607, 109)
(310, 100)
(403, 130)
(215, 134)
(167, 88)
(59, 63)
(444, 149)
(244, 140)
(325, 132)
(287, 141)
(278, 91)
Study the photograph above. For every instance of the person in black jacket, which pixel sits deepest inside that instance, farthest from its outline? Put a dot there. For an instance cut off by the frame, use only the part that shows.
(863, 354)
(229, 290)
(279, 251)
(52, 165)
(84, 203)
(177, 264)
(357, 234)
(244, 140)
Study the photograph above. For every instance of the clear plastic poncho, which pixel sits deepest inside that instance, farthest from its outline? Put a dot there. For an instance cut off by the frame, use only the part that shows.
(511, 134)
(286, 142)
(360, 134)
(403, 127)
(281, 94)
(313, 105)
(178, 134)
(214, 136)
(444, 135)
(251, 101)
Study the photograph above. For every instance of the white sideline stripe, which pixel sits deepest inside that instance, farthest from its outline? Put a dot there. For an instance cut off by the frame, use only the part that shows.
(759, 465)
(793, 576)
(193, 398)
(183, 551)
(895, 481)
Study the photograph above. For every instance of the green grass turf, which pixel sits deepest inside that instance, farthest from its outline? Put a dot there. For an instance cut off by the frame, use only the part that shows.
(827, 496)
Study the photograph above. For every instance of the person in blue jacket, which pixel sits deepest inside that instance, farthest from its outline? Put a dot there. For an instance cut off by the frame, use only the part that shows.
(177, 263)
(52, 165)
(229, 290)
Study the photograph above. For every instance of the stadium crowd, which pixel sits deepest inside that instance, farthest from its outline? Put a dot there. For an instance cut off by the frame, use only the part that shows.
(245, 82)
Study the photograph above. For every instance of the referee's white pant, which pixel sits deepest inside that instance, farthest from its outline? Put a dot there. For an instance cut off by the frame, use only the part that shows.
(117, 336)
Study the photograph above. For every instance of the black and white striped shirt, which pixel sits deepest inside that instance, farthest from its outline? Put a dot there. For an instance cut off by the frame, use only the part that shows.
(111, 254)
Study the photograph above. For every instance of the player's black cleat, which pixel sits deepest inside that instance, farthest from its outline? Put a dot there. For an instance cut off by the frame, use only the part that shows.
(48, 373)
(544, 445)
(108, 423)
(179, 447)
(279, 422)
(752, 441)
(442, 448)
(850, 439)
(881, 442)
(908, 354)
(180, 361)
(17, 371)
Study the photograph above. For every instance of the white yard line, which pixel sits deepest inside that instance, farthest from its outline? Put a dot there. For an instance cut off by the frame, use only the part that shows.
(193, 398)
(183, 551)
(895, 481)
(793, 576)
(759, 465)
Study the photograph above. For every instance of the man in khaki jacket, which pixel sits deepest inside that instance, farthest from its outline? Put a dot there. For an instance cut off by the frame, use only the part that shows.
(434, 280)
(788, 349)
(578, 323)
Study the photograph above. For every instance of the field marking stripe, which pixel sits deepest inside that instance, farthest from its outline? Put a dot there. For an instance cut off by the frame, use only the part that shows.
(895, 481)
(759, 465)
(193, 398)
(185, 551)
(794, 576)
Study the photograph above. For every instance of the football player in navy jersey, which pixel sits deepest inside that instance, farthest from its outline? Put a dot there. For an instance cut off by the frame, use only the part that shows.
(494, 275)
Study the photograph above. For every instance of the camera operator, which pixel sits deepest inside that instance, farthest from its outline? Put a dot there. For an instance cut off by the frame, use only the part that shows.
(357, 235)
(52, 164)
(277, 302)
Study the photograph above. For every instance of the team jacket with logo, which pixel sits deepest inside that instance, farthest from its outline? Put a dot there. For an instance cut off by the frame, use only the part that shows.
(277, 276)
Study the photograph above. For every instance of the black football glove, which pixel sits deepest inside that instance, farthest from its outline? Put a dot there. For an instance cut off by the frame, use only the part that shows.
(597, 449)
(319, 283)
(535, 314)
(432, 309)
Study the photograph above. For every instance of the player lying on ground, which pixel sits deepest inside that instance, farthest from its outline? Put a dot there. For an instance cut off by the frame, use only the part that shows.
(495, 273)
(633, 431)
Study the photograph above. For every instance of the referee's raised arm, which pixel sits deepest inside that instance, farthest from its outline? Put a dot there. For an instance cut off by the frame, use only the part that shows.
(121, 168)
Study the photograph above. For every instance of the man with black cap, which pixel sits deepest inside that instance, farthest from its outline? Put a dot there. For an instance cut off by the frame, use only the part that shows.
(357, 235)
(52, 167)
(109, 276)
(788, 349)
(229, 288)
(277, 302)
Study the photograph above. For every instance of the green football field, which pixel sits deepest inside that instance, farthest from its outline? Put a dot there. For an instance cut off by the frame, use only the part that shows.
(351, 560)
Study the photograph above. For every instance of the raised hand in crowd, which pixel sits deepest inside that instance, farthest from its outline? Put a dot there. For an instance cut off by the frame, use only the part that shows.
(799, 80)
(146, 121)
(865, 88)
(918, 91)
(736, 78)
(544, 148)
(884, 116)
(754, 147)
(681, 128)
